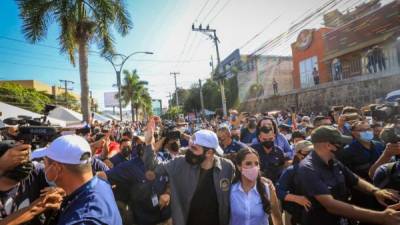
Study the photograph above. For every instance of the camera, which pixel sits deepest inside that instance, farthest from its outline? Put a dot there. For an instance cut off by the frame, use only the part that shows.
(170, 132)
(390, 113)
(33, 131)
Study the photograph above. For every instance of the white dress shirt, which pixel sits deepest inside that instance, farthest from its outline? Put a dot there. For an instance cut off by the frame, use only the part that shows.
(247, 208)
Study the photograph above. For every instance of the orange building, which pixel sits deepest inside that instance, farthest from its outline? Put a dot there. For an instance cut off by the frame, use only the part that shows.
(308, 53)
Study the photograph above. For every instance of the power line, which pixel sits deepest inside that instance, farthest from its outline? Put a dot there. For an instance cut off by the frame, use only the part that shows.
(38, 44)
(292, 34)
(201, 10)
(219, 12)
(260, 32)
(210, 11)
(50, 67)
(296, 26)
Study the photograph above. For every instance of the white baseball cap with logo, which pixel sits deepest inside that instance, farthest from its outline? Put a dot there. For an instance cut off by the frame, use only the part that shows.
(208, 139)
(68, 149)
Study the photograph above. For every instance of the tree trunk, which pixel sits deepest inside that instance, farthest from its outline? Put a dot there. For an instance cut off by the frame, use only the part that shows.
(133, 112)
(137, 113)
(83, 71)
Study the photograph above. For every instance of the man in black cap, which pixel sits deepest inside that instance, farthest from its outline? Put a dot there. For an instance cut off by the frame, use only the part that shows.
(326, 183)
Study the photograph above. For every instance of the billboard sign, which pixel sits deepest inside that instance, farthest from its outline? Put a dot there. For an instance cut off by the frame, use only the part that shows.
(156, 106)
(110, 100)
(230, 64)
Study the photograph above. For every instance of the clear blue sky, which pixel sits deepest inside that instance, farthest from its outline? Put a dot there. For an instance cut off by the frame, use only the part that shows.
(161, 26)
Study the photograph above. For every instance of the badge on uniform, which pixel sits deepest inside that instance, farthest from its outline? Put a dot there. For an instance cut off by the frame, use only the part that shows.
(224, 184)
(154, 200)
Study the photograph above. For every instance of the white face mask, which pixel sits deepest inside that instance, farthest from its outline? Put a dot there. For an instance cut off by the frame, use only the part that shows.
(288, 136)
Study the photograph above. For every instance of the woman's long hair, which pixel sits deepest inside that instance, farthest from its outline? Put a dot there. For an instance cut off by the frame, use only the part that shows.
(259, 184)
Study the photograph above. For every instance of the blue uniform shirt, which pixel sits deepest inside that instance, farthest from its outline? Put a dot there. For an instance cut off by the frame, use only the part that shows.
(92, 203)
(117, 159)
(388, 176)
(360, 159)
(318, 178)
(271, 163)
(234, 147)
(246, 136)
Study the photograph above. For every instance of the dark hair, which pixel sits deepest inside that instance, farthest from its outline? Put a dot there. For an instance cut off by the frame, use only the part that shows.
(265, 130)
(241, 155)
(318, 119)
(274, 125)
(350, 109)
(124, 140)
(298, 134)
(127, 133)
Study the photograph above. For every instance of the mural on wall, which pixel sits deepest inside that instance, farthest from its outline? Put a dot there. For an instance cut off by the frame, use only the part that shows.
(256, 79)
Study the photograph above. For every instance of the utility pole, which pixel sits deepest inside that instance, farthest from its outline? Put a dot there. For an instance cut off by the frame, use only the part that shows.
(176, 87)
(201, 98)
(212, 63)
(66, 89)
(212, 33)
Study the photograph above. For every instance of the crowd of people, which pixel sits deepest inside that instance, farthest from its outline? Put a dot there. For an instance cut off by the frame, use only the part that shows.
(246, 169)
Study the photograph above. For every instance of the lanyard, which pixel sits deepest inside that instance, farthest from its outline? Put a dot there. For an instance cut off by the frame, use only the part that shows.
(3, 212)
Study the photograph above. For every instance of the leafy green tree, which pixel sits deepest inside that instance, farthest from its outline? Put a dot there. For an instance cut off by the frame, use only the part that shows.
(173, 112)
(81, 22)
(27, 98)
(134, 92)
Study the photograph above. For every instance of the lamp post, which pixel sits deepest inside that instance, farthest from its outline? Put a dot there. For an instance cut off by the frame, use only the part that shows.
(118, 61)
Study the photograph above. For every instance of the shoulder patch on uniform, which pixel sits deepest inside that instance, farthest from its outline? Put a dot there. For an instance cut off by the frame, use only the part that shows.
(224, 184)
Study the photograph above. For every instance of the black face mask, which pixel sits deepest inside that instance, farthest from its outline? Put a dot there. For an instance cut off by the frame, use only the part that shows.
(339, 149)
(193, 159)
(174, 147)
(126, 151)
(268, 144)
(235, 137)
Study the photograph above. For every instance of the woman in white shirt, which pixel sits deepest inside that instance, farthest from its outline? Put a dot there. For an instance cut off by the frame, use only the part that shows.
(253, 198)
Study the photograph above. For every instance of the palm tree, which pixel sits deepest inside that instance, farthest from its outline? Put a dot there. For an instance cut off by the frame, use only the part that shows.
(81, 22)
(132, 91)
(143, 101)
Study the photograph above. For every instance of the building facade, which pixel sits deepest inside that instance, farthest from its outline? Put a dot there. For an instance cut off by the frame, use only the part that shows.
(263, 76)
(39, 86)
(308, 54)
(366, 45)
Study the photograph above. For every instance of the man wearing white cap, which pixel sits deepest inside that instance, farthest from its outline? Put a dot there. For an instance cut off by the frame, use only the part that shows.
(200, 181)
(89, 200)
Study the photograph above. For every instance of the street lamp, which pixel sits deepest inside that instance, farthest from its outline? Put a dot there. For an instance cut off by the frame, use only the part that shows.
(118, 61)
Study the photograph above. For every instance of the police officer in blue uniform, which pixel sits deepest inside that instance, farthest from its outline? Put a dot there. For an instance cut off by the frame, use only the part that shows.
(272, 158)
(228, 144)
(326, 183)
(89, 199)
(359, 156)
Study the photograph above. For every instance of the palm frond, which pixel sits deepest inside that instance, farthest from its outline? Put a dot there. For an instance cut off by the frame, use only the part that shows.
(36, 16)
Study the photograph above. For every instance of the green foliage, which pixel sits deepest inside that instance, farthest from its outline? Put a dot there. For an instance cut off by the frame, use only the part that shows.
(173, 112)
(90, 20)
(73, 103)
(135, 93)
(80, 24)
(27, 98)
(211, 95)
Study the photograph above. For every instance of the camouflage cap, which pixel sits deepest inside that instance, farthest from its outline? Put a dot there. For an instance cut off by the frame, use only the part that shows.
(329, 134)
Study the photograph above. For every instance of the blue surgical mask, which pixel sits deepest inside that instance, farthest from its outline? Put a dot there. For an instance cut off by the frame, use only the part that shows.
(49, 182)
(366, 135)
(347, 126)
